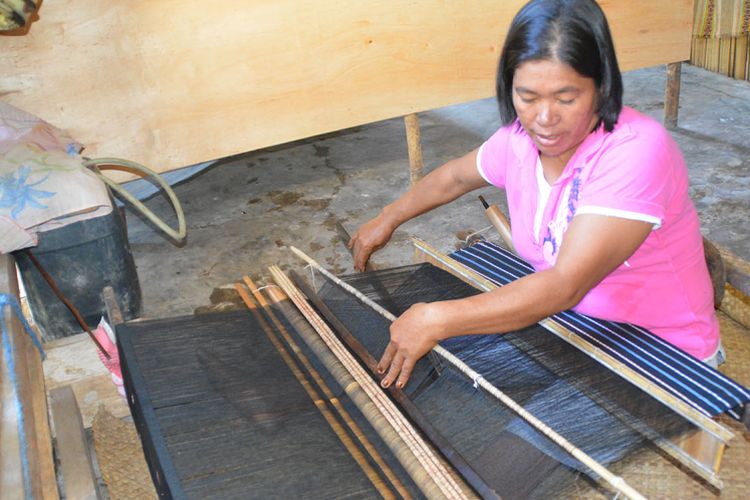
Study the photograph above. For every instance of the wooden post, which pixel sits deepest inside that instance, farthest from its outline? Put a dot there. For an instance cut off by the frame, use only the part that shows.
(416, 164)
(672, 95)
(114, 313)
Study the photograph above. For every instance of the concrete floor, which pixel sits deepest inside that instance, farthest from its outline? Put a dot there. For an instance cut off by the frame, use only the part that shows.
(243, 211)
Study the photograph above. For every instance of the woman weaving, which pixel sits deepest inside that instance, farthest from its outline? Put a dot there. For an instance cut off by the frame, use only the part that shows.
(597, 193)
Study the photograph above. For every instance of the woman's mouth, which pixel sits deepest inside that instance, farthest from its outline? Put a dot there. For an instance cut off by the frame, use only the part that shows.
(547, 140)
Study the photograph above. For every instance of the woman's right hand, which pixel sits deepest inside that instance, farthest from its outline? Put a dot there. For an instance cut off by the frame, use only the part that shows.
(372, 236)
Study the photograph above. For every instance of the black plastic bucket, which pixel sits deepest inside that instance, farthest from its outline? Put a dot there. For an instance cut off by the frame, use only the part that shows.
(82, 258)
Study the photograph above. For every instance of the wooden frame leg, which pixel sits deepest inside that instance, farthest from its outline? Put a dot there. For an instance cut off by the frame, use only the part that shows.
(72, 447)
(672, 95)
(413, 140)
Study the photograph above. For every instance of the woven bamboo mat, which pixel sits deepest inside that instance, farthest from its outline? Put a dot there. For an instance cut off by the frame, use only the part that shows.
(120, 456)
(736, 305)
(656, 476)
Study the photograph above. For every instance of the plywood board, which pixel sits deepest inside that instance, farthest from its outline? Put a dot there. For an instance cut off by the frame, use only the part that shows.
(178, 82)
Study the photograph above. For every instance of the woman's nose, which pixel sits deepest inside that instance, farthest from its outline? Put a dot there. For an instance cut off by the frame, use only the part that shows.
(545, 115)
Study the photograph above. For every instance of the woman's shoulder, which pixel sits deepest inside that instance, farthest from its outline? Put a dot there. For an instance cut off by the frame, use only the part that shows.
(633, 122)
(638, 134)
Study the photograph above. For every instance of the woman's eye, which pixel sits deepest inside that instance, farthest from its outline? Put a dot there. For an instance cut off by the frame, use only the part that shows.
(566, 101)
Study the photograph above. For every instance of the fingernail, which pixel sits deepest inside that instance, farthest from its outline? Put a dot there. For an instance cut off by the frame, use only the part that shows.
(400, 385)
(384, 384)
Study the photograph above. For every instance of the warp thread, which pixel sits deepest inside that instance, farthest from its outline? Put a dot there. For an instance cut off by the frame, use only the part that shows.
(470, 235)
(8, 351)
(312, 275)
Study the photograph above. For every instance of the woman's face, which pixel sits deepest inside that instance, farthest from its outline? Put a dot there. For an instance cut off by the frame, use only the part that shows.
(556, 106)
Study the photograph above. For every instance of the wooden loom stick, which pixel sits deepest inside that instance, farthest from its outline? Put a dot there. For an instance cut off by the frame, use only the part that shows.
(706, 467)
(315, 397)
(449, 452)
(327, 392)
(498, 219)
(446, 485)
(617, 483)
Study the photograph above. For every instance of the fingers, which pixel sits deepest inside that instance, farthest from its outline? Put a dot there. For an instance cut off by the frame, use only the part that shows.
(393, 371)
(406, 368)
(361, 253)
(399, 367)
(385, 360)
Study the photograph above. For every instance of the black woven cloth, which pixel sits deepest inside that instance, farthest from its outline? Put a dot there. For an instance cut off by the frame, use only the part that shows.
(222, 416)
(583, 401)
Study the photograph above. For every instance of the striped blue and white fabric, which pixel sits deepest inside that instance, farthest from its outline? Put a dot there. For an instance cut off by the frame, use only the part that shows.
(680, 374)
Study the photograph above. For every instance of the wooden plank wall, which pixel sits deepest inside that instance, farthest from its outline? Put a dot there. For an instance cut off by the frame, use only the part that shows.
(178, 82)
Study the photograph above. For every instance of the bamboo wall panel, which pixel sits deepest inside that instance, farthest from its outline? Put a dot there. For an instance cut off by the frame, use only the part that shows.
(177, 82)
(728, 55)
(721, 37)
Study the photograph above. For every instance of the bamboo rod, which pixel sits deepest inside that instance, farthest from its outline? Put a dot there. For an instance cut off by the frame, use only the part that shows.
(327, 392)
(616, 482)
(345, 439)
(445, 485)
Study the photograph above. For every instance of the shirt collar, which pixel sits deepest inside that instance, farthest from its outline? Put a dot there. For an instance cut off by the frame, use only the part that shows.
(527, 153)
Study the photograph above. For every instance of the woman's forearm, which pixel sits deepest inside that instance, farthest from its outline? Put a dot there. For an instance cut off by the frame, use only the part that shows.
(511, 307)
(443, 185)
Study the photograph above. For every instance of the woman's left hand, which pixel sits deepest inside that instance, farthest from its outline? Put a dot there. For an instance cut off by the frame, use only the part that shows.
(413, 335)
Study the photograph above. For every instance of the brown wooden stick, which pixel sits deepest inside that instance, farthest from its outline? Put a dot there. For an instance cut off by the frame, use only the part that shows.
(327, 392)
(343, 436)
(65, 301)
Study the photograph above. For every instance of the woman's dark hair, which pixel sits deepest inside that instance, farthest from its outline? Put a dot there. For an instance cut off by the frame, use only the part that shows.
(574, 32)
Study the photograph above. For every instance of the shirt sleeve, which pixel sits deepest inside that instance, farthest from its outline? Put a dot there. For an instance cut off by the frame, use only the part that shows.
(492, 158)
(634, 178)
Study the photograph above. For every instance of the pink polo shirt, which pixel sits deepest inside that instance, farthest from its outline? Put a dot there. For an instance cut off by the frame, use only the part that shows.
(635, 172)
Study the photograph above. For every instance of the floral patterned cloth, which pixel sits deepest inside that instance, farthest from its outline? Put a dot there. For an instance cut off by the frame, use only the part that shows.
(43, 184)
